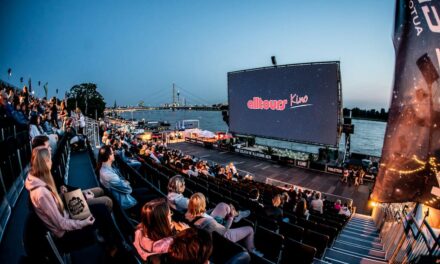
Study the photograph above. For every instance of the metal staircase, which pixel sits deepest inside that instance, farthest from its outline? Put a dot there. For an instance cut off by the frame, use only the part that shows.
(359, 242)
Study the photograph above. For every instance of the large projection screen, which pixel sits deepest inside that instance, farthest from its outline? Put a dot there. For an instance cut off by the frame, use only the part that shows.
(298, 102)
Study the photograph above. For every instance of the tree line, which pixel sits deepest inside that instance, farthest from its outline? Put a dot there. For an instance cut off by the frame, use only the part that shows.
(374, 114)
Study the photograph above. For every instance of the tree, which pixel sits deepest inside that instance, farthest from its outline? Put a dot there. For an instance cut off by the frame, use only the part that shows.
(87, 98)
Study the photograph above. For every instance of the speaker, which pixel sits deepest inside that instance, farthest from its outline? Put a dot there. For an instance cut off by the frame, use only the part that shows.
(347, 120)
(428, 69)
(225, 114)
(274, 61)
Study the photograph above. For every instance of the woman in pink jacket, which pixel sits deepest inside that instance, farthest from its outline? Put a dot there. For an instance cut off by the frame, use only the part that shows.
(50, 209)
(155, 232)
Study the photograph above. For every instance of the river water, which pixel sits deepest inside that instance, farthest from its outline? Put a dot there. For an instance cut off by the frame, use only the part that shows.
(367, 138)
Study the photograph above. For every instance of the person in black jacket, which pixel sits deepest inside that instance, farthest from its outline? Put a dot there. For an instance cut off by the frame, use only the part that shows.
(274, 211)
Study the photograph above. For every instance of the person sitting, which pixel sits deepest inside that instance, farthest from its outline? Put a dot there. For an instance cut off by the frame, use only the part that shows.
(220, 221)
(150, 153)
(49, 207)
(176, 200)
(274, 211)
(337, 206)
(128, 158)
(36, 130)
(345, 210)
(254, 196)
(301, 209)
(192, 172)
(191, 246)
(47, 126)
(92, 195)
(222, 173)
(155, 232)
(230, 168)
(317, 204)
(288, 202)
(118, 186)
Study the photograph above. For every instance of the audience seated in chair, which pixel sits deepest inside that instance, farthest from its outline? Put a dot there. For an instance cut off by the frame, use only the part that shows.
(176, 200)
(93, 195)
(50, 209)
(301, 209)
(274, 211)
(118, 186)
(191, 246)
(155, 232)
(317, 204)
(220, 220)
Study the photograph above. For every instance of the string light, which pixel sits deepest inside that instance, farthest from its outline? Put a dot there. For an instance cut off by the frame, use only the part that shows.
(433, 166)
(406, 172)
(418, 161)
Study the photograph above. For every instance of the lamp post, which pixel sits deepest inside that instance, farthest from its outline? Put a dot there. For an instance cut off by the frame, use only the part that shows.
(87, 99)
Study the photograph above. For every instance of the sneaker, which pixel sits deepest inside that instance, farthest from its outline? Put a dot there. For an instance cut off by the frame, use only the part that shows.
(241, 215)
(98, 237)
(258, 253)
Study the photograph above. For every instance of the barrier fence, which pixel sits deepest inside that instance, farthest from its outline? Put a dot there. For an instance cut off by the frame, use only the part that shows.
(406, 233)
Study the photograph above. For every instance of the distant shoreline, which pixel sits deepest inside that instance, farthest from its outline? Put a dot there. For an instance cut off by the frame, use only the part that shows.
(369, 119)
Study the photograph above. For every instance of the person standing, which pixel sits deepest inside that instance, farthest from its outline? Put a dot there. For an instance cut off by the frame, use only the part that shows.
(345, 174)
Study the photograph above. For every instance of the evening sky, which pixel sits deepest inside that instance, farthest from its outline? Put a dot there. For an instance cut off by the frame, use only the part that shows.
(135, 50)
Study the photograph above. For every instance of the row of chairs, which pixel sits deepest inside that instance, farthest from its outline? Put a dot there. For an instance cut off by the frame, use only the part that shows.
(284, 246)
(327, 227)
(8, 129)
(15, 153)
(39, 244)
(323, 230)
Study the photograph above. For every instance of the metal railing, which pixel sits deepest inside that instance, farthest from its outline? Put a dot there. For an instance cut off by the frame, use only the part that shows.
(406, 236)
(287, 186)
(91, 130)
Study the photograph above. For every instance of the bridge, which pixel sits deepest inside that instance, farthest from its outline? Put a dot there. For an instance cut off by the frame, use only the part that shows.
(181, 99)
(171, 107)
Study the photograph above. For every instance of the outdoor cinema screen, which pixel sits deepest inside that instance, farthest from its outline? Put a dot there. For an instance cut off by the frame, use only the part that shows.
(299, 102)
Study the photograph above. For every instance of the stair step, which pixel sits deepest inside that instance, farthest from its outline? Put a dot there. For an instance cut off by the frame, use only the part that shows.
(358, 255)
(332, 254)
(349, 233)
(321, 261)
(362, 217)
(362, 222)
(362, 227)
(360, 250)
(362, 231)
(363, 242)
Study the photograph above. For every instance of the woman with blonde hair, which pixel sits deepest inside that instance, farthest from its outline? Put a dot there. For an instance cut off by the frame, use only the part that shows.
(198, 217)
(50, 209)
(176, 200)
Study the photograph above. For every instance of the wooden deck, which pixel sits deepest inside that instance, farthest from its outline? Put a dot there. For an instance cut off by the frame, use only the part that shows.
(262, 169)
